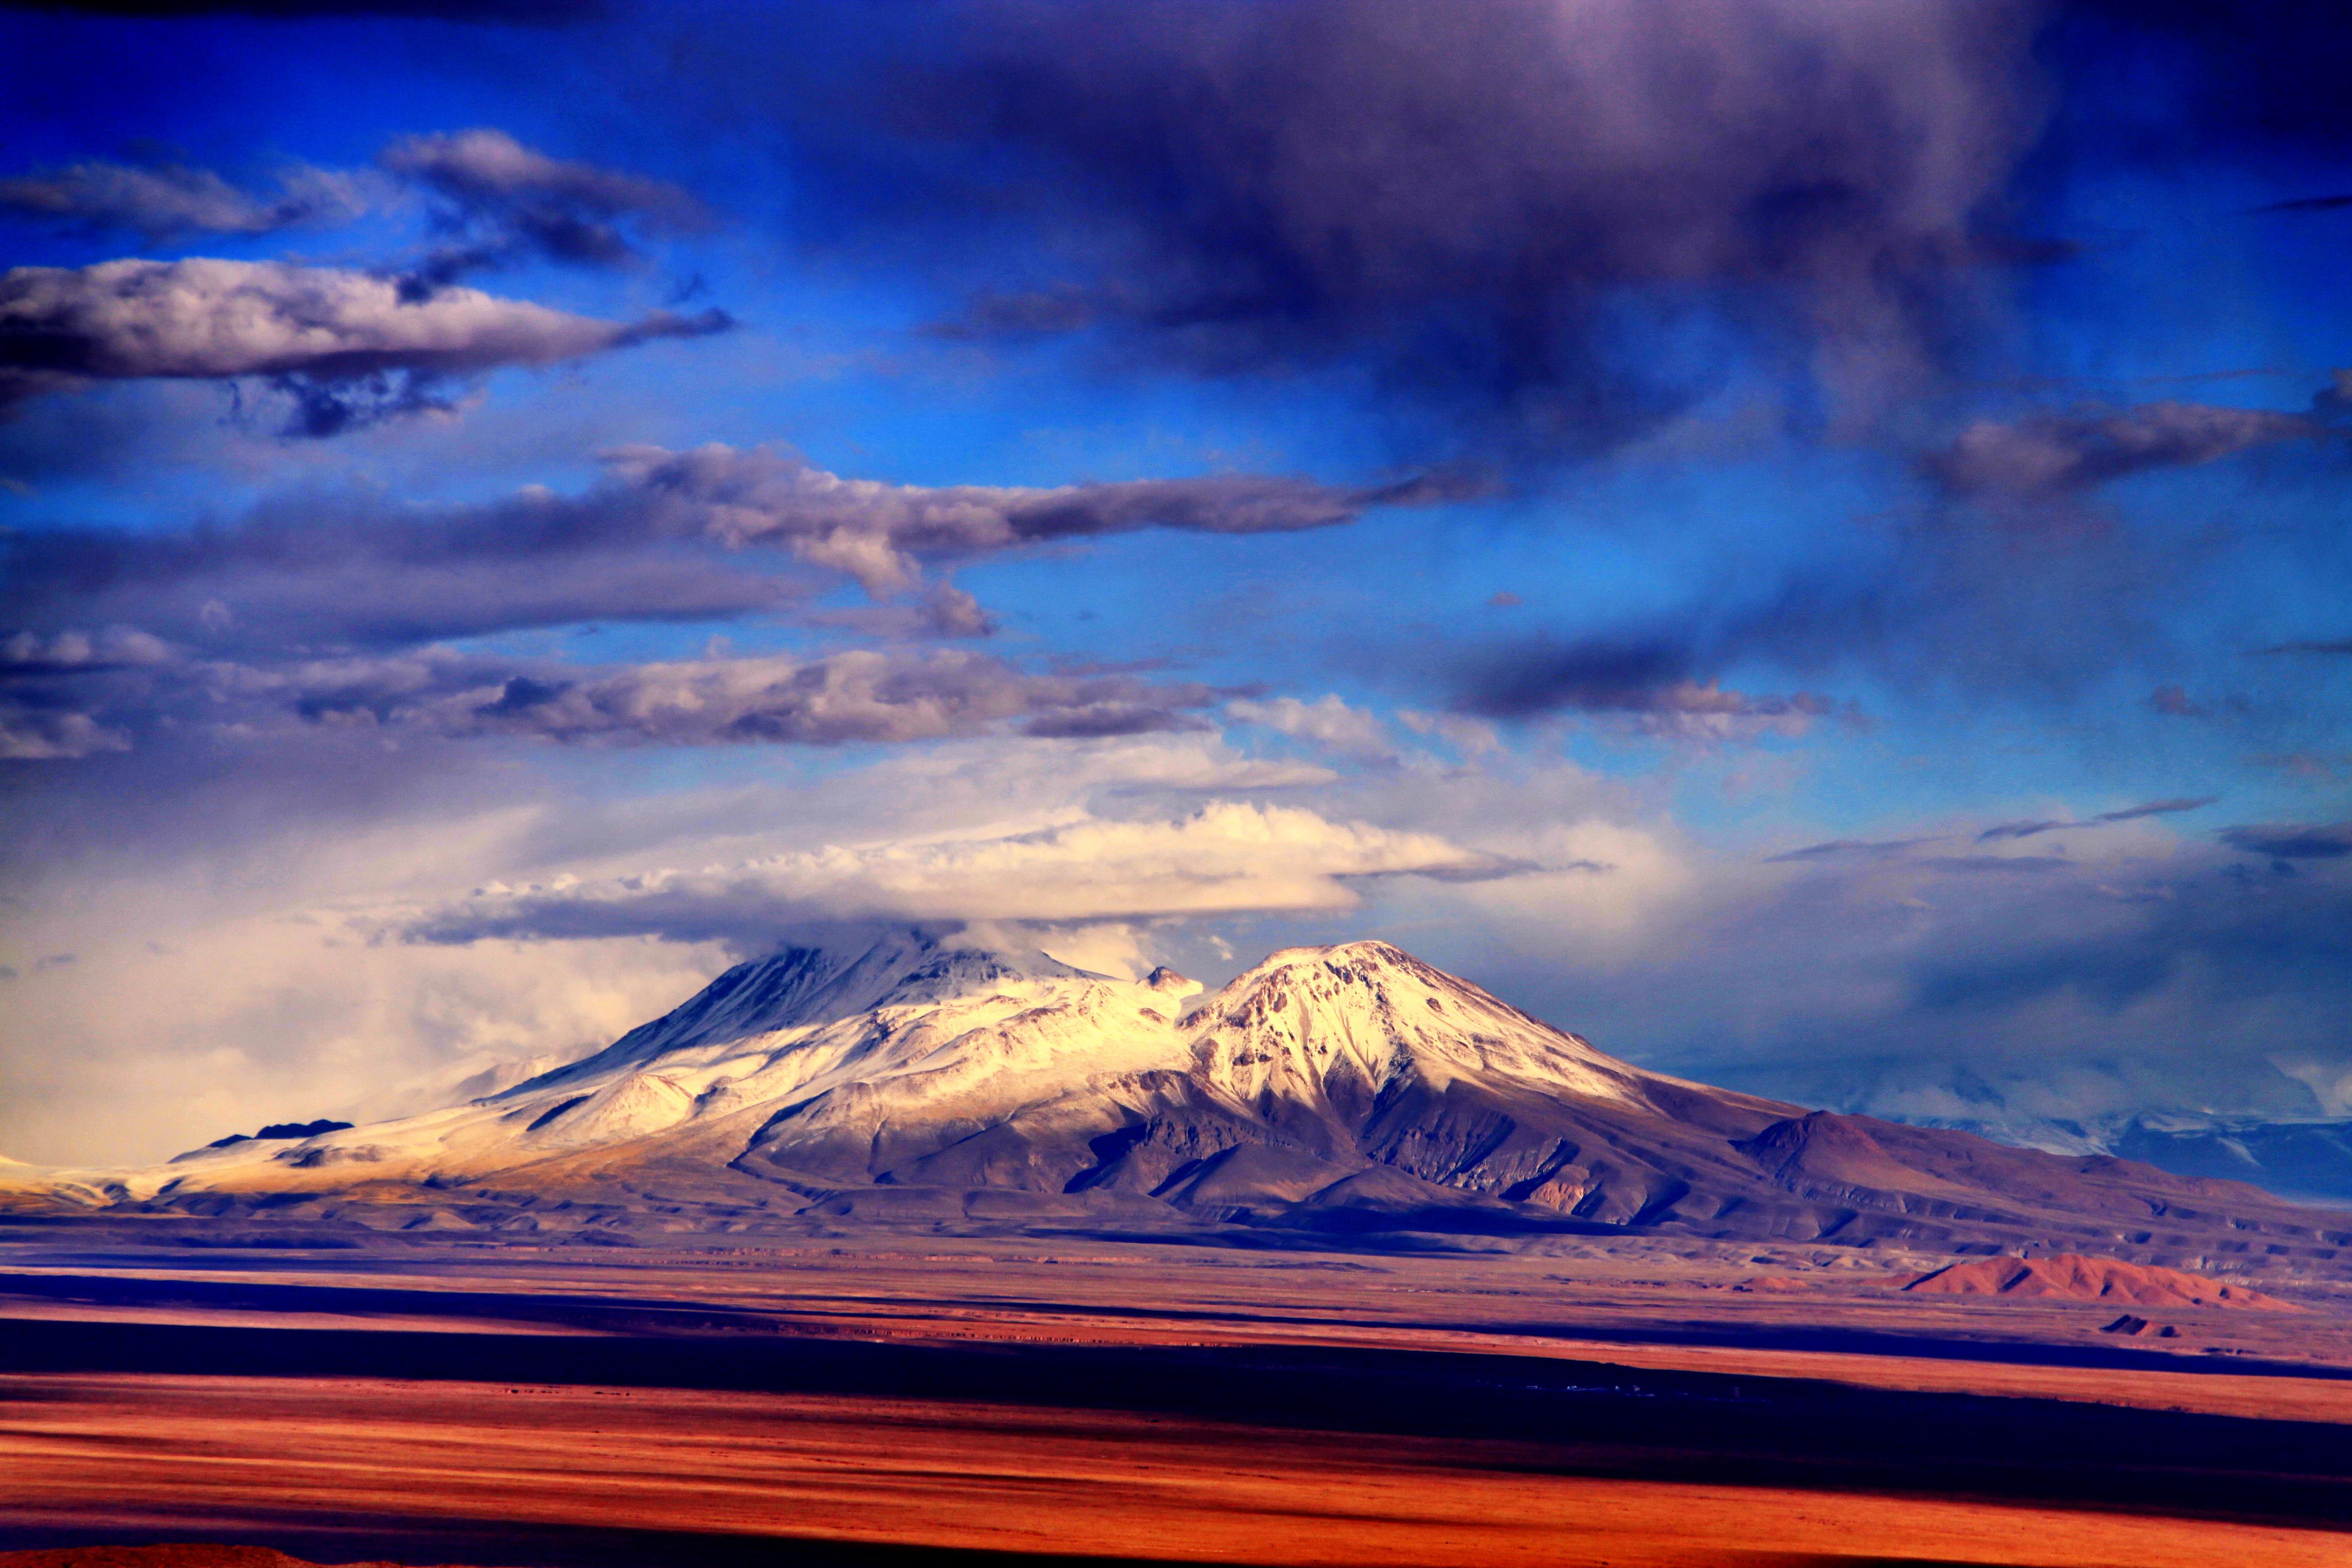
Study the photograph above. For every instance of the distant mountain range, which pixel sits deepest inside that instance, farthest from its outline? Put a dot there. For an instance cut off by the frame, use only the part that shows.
(1345, 1090)
(2305, 1156)
(2308, 1159)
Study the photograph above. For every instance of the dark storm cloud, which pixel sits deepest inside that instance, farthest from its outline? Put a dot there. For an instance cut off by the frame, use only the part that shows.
(2175, 80)
(1492, 202)
(1654, 682)
(1588, 675)
(2058, 454)
(2187, 993)
(347, 345)
(166, 201)
(2000, 990)
(2286, 841)
(2251, 944)
(1654, 671)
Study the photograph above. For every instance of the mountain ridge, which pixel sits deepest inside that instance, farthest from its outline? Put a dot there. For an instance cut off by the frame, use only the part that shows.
(1350, 1089)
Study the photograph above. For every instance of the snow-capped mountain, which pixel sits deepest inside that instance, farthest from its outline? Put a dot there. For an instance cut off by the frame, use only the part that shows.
(916, 1079)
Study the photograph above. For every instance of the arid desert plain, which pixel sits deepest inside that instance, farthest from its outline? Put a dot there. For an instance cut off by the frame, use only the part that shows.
(969, 1398)
(924, 1251)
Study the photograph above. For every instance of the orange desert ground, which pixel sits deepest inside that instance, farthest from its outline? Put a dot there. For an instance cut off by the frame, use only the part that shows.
(924, 1255)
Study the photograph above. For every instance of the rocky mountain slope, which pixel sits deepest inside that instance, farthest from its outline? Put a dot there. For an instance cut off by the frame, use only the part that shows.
(1350, 1089)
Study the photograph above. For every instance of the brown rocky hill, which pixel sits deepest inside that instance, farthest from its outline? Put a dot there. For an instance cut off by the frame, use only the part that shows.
(2075, 1278)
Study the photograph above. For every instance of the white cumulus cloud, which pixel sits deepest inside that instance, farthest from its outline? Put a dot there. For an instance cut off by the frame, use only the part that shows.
(1224, 858)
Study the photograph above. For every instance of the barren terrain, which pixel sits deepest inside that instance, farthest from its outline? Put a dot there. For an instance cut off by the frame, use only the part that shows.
(934, 1396)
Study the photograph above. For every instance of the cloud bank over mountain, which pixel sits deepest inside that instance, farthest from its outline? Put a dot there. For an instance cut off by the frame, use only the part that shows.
(1224, 858)
(1804, 539)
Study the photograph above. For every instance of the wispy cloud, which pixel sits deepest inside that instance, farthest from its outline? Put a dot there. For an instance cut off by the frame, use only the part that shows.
(1327, 722)
(1225, 859)
(710, 533)
(2000, 830)
(862, 696)
(881, 695)
(2290, 841)
(502, 201)
(1849, 850)
(877, 532)
(347, 346)
(163, 202)
(492, 200)
(2053, 455)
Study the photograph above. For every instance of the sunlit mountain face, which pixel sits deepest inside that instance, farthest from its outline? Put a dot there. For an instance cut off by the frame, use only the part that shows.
(1342, 1095)
(1807, 541)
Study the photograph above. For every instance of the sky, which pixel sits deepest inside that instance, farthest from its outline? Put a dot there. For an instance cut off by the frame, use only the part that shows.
(1803, 540)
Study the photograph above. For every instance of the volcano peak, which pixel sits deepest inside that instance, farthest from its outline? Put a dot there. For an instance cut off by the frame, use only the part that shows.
(910, 1076)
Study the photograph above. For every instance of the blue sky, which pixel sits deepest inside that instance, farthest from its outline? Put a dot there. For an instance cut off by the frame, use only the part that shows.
(1804, 542)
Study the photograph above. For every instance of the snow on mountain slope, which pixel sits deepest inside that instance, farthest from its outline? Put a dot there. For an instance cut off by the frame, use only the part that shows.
(1326, 1025)
(1353, 1086)
(908, 1019)
(1096, 1090)
(474, 1075)
(858, 1063)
